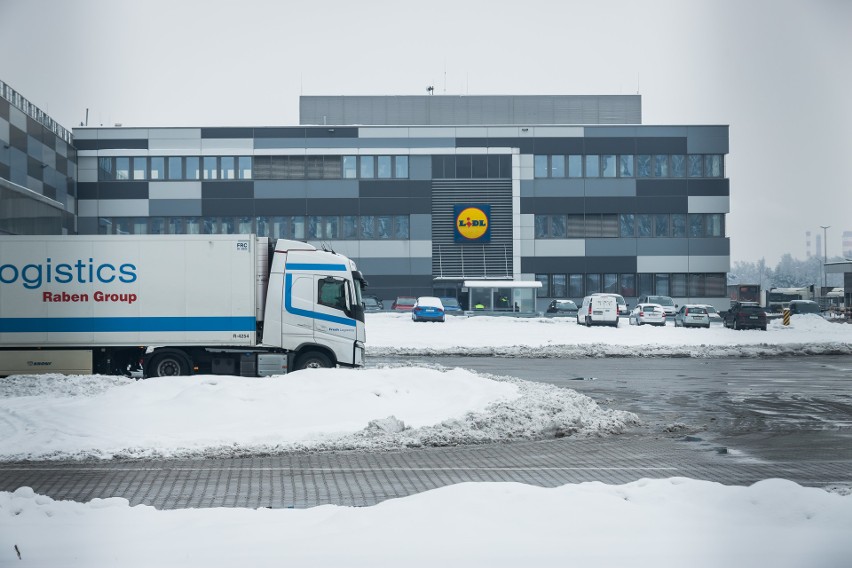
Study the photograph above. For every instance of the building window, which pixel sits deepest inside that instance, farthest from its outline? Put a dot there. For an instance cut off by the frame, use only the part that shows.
(349, 226)
(696, 225)
(557, 166)
(384, 168)
(661, 284)
(106, 169)
(368, 167)
(713, 165)
(693, 165)
(544, 291)
(244, 167)
(678, 285)
(175, 169)
(350, 167)
(193, 168)
(560, 286)
(210, 168)
(625, 166)
(643, 225)
(678, 165)
(540, 166)
(661, 225)
(575, 286)
(140, 168)
(593, 283)
(575, 166)
(626, 225)
(714, 225)
(593, 166)
(610, 283)
(678, 225)
(646, 284)
(401, 164)
(608, 165)
(627, 284)
(158, 168)
(227, 168)
(643, 166)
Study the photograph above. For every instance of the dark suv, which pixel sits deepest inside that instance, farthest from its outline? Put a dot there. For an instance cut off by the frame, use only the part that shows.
(745, 315)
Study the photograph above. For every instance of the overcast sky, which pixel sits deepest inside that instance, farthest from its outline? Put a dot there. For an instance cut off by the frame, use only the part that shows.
(779, 72)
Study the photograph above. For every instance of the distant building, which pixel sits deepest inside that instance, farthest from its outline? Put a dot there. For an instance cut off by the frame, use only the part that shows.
(847, 244)
(424, 192)
(808, 253)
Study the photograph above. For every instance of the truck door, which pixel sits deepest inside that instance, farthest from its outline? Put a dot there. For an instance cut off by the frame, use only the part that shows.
(298, 325)
(333, 323)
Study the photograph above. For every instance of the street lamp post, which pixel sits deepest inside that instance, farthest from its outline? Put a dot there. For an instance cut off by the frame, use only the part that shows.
(825, 229)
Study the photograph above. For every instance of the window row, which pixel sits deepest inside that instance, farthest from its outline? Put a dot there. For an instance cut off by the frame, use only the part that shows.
(294, 227)
(629, 166)
(576, 286)
(628, 225)
(478, 166)
(208, 168)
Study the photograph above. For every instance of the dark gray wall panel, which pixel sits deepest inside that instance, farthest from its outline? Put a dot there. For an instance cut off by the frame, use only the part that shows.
(227, 189)
(4, 109)
(527, 145)
(557, 145)
(710, 247)
(227, 207)
(546, 264)
(227, 132)
(18, 138)
(420, 167)
(122, 190)
(280, 206)
(610, 145)
(610, 247)
(87, 190)
(661, 145)
(332, 206)
(386, 206)
(562, 187)
(87, 225)
(707, 139)
(655, 204)
(421, 227)
(129, 144)
(712, 187)
(610, 187)
(174, 207)
(610, 264)
(552, 205)
(662, 247)
(647, 187)
(610, 204)
(395, 188)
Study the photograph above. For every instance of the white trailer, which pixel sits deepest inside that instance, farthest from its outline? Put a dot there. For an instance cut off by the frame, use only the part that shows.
(176, 305)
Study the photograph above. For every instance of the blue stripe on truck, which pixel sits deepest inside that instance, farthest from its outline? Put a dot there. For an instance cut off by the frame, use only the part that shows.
(312, 266)
(91, 325)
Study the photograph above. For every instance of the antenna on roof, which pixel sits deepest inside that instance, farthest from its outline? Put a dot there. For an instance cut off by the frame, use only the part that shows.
(430, 89)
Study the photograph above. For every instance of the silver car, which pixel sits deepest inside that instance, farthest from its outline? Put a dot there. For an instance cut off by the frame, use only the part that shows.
(713, 314)
(692, 315)
(652, 314)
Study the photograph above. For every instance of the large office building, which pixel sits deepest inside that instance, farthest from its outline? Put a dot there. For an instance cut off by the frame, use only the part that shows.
(428, 193)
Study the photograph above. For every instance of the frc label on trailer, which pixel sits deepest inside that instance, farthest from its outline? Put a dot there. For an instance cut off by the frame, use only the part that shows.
(98, 296)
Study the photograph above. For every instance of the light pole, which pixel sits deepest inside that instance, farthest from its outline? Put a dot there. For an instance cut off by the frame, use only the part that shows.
(825, 229)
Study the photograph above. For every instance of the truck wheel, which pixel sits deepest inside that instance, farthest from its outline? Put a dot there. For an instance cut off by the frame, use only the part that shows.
(168, 365)
(313, 360)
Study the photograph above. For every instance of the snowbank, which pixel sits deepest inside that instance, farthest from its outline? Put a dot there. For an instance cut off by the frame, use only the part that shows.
(649, 523)
(55, 416)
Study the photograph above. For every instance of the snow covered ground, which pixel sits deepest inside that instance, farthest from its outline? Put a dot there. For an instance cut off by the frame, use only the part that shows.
(669, 522)
(393, 333)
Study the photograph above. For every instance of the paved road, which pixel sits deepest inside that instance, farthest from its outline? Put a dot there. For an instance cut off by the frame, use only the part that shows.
(734, 421)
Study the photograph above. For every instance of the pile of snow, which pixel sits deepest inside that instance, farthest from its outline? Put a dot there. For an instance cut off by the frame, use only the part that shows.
(54, 416)
(391, 334)
(673, 522)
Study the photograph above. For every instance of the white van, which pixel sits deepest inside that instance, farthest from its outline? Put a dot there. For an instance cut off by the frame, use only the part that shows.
(600, 309)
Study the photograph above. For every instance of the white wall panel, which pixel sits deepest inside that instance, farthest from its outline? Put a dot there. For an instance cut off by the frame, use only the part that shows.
(709, 263)
(87, 208)
(560, 247)
(174, 190)
(709, 204)
(123, 208)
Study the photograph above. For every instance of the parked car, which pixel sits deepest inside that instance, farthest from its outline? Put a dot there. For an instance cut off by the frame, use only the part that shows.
(427, 308)
(712, 314)
(619, 299)
(668, 304)
(692, 315)
(601, 309)
(451, 306)
(744, 315)
(652, 314)
(372, 304)
(403, 303)
(562, 308)
(803, 307)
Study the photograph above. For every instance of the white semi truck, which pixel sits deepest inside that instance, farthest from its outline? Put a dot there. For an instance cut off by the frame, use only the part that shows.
(176, 305)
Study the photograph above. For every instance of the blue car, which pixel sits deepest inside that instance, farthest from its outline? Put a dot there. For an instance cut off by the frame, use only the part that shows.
(428, 308)
(451, 306)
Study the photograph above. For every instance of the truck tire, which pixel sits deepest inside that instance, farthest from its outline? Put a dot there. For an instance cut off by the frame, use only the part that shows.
(168, 365)
(313, 360)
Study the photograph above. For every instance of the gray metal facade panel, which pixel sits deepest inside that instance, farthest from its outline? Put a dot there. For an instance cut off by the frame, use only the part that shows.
(87, 191)
(662, 247)
(710, 247)
(470, 110)
(579, 264)
(610, 247)
(651, 187)
(227, 189)
(393, 266)
(420, 227)
(564, 187)
(228, 207)
(122, 189)
(321, 206)
(347, 188)
(660, 145)
(280, 189)
(174, 207)
(390, 206)
(668, 204)
(610, 187)
(610, 204)
(709, 187)
(420, 167)
(554, 145)
(87, 225)
(280, 206)
(394, 188)
(707, 139)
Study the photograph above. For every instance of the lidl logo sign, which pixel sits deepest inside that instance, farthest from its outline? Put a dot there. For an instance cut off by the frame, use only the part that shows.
(473, 223)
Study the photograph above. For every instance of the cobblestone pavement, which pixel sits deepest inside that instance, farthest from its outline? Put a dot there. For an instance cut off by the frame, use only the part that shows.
(361, 479)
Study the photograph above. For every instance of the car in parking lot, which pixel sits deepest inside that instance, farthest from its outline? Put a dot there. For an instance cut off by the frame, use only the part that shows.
(619, 300)
(562, 308)
(651, 314)
(692, 315)
(745, 315)
(427, 308)
(598, 309)
(403, 303)
(372, 304)
(666, 301)
(803, 307)
(712, 314)
(451, 306)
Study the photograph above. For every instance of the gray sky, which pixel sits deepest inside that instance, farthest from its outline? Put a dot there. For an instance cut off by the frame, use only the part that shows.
(779, 72)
